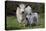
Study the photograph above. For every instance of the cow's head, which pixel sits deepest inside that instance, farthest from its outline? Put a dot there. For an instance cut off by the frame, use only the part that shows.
(22, 8)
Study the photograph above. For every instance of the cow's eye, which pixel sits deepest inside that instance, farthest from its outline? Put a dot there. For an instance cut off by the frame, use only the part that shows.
(30, 14)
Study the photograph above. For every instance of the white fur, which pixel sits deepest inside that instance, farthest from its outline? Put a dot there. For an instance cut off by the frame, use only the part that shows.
(18, 14)
(28, 10)
(30, 18)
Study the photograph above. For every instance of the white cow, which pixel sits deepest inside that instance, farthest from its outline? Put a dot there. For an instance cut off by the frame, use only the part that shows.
(31, 17)
(20, 14)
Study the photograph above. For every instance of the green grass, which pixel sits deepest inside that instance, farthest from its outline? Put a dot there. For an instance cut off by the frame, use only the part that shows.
(12, 23)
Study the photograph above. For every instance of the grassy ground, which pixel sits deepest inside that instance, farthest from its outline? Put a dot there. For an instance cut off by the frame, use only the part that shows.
(12, 23)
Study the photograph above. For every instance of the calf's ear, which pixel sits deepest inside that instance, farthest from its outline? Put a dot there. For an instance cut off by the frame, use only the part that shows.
(26, 5)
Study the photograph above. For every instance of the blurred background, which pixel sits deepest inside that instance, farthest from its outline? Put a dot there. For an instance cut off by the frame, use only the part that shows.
(10, 13)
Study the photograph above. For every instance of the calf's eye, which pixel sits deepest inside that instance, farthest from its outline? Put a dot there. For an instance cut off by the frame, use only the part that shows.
(30, 14)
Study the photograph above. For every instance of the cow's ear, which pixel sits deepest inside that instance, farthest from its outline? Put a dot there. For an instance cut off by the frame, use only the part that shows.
(30, 5)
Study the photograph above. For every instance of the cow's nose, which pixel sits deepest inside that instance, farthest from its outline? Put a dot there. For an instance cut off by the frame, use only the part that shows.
(26, 18)
(23, 12)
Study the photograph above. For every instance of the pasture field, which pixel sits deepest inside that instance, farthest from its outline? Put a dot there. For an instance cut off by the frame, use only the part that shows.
(12, 23)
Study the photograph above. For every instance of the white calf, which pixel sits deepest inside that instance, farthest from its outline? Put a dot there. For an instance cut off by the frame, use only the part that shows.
(31, 17)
